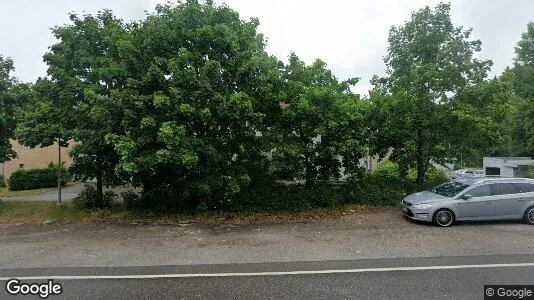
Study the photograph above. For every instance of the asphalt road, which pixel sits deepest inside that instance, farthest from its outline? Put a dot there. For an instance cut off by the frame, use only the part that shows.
(361, 255)
(421, 278)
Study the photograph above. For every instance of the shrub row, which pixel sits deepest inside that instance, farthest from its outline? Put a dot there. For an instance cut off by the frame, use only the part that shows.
(383, 187)
(37, 178)
(266, 195)
(88, 198)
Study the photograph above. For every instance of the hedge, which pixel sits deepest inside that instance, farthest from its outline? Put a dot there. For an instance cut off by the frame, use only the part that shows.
(36, 178)
(382, 187)
(266, 195)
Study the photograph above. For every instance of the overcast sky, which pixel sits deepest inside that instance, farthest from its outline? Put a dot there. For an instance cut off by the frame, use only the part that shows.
(351, 36)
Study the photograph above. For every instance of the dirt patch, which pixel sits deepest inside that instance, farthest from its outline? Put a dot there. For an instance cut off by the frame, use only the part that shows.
(37, 213)
(351, 218)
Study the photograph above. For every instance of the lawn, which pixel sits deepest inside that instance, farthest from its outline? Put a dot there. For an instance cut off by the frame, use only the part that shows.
(4, 192)
(38, 212)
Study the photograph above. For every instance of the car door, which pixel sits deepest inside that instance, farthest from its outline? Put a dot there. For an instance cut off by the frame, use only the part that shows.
(481, 206)
(509, 200)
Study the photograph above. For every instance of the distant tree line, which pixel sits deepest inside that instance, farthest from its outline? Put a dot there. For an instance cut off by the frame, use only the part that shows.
(188, 105)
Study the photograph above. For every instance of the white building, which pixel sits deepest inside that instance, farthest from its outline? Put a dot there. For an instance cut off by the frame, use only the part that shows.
(507, 166)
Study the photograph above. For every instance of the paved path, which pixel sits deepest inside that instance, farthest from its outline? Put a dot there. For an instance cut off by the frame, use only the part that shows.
(421, 278)
(67, 194)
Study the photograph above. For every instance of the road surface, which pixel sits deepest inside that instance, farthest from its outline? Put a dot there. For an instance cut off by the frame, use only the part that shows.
(360, 255)
(421, 278)
(67, 194)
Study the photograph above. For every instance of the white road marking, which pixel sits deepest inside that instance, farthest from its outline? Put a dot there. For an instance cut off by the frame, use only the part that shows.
(280, 273)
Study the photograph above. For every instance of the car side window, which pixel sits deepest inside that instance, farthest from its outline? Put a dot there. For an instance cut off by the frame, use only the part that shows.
(525, 187)
(479, 191)
(503, 189)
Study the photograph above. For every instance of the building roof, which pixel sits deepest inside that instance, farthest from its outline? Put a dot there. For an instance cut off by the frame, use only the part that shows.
(496, 179)
(515, 163)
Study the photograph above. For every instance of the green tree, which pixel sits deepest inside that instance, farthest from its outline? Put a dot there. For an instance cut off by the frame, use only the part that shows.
(429, 60)
(7, 109)
(85, 68)
(13, 96)
(320, 127)
(200, 87)
(521, 76)
(483, 114)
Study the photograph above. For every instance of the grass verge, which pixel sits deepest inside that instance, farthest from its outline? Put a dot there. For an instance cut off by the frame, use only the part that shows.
(4, 192)
(39, 212)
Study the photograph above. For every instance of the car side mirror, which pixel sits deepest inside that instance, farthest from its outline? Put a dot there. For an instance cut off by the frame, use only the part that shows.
(467, 197)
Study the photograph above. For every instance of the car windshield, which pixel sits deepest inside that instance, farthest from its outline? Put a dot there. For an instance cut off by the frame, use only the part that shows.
(449, 189)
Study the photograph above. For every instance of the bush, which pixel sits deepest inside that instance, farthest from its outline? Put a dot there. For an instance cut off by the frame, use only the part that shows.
(131, 200)
(386, 187)
(383, 187)
(267, 195)
(108, 198)
(162, 198)
(88, 198)
(2, 182)
(386, 173)
(435, 177)
(37, 178)
(371, 194)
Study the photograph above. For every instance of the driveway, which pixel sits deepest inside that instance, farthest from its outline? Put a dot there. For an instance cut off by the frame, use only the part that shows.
(67, 194)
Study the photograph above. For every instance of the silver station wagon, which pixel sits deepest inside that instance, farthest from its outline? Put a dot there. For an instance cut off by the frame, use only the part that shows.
(473, 199)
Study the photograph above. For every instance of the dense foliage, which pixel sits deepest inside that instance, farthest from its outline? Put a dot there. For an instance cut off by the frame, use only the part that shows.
(13, 96)
(187, 105)
(195, 106)
(89, 196)
(521, 78)
(320, 128)
(429, 61)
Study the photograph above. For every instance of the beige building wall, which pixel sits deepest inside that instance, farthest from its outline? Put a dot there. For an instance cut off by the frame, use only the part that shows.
(36, 158)
(375, 162)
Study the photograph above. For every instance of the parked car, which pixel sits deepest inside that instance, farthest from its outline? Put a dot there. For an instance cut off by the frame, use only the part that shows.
(467, 173)
(473, 199)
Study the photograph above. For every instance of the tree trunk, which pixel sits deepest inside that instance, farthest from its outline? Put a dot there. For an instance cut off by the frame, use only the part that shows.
(420, 158)
(308, 171)
(420, 142)
(99, 185)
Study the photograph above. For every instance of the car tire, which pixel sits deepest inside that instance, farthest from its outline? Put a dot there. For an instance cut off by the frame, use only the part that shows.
(443, 217)
(529, 216)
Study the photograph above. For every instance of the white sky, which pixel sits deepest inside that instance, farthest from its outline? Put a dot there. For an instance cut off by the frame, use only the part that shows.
(351, 36)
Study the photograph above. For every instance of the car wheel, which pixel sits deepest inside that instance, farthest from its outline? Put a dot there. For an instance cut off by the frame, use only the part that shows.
(529, 216)
(443, 217)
